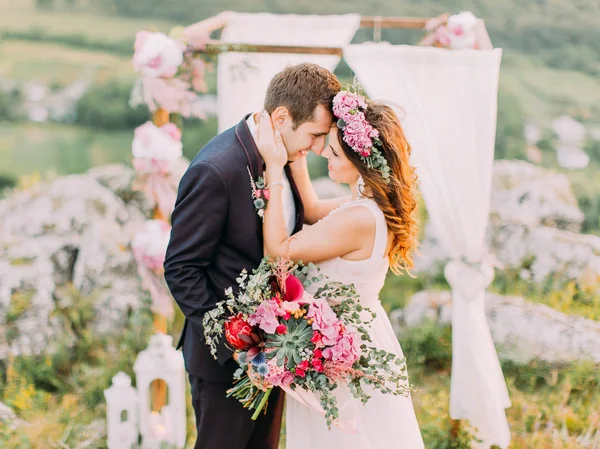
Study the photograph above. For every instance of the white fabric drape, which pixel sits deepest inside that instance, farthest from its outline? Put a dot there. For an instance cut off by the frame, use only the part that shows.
(243, 77)
(449, 104)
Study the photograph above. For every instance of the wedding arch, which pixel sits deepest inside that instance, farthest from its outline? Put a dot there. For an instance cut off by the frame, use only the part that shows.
(447, 89)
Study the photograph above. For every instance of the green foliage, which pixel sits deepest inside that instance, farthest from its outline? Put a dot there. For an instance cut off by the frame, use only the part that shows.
(586, 187)
(569, 297)
(447, 434)
(558, 32)
(83, 361)
(398, 289)
(78, 40)
(196, 134)
(10, 105)
(510, 140)
(428, 346)
(107, 106)
(6, 182)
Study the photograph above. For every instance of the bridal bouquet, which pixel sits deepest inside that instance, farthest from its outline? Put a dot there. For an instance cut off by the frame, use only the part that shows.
(285, 337)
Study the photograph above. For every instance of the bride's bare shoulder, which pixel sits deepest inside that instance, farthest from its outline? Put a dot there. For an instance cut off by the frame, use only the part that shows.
(354, 215)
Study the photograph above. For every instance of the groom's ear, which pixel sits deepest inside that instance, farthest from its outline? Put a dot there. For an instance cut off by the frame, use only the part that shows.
(279, 116)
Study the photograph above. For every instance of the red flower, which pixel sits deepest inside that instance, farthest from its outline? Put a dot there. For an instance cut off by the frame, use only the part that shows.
(281, 329)
(293, 289)
(300, 372)
(302, 365)
(287, 316)
(318, 354)
(236, 328)
(317, 337)
(317, 364)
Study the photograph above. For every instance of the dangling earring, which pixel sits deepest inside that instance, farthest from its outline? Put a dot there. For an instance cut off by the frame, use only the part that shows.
(360, 186)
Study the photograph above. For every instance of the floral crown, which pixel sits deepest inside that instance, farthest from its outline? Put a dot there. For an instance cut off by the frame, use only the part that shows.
(348, 107)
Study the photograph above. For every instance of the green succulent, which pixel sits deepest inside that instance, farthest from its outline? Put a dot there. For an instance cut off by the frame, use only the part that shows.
(298, 336)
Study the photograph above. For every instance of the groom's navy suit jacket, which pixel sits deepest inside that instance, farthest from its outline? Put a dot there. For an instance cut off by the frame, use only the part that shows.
(216, 233)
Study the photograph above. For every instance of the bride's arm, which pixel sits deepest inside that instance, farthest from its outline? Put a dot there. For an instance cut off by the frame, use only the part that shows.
(314, 208)
(341, 234)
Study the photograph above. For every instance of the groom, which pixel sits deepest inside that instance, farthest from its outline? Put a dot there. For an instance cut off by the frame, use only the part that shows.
(217, 233)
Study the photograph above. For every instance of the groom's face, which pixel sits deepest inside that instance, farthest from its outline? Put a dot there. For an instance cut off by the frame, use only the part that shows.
(309, 136)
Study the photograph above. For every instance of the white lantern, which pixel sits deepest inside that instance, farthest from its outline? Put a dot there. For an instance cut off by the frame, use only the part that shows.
(161, 362)
(121, 411)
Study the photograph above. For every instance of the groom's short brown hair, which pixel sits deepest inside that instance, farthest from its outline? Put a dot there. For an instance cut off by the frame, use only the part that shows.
(301, 88)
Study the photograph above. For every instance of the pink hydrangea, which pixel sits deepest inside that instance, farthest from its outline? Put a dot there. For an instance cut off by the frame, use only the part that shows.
(150, 244)
(325, 321)
(359, 134)
(155, 149)
(266, 315)
(346, 351)
(343, 103)
(157, 55)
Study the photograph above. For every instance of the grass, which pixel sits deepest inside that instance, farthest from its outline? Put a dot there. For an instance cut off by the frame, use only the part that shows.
(546, 93)
(24, 18)
(63, 149)
(28, 148)
(57, 64)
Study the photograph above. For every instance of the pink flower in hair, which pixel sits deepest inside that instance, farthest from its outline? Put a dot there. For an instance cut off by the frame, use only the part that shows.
(358, 134)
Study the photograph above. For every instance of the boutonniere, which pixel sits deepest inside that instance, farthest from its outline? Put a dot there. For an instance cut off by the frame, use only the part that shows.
(260, 194)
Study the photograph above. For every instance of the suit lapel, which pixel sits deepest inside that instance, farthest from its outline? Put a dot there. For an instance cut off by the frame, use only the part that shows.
(255, 162)
(244, 136)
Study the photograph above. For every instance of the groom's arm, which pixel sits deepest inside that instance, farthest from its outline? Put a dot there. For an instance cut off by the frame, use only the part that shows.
(197, 224)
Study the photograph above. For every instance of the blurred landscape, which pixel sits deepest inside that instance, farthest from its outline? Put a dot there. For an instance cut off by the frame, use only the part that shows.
(65, 80)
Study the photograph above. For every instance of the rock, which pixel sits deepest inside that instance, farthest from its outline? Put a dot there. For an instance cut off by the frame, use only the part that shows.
(118, 179)
(522, 330)
(8, 416)
(572, 157)
(569, 130)
(544, 252)
(73, 232)
(525, 194)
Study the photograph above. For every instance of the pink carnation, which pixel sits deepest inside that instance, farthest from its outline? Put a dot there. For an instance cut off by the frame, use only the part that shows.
(278, 376)
(346, 351)
(265, 316)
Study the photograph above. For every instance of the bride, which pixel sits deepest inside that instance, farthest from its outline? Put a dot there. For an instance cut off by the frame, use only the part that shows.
(355, 243)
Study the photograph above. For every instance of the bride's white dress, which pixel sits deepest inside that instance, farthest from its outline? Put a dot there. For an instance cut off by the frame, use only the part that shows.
(385, 421)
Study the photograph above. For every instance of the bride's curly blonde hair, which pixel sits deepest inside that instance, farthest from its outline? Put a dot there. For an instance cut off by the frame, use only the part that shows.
(396, 198)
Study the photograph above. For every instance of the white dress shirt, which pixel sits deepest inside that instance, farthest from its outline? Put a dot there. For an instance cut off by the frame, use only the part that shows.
(289, 207)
